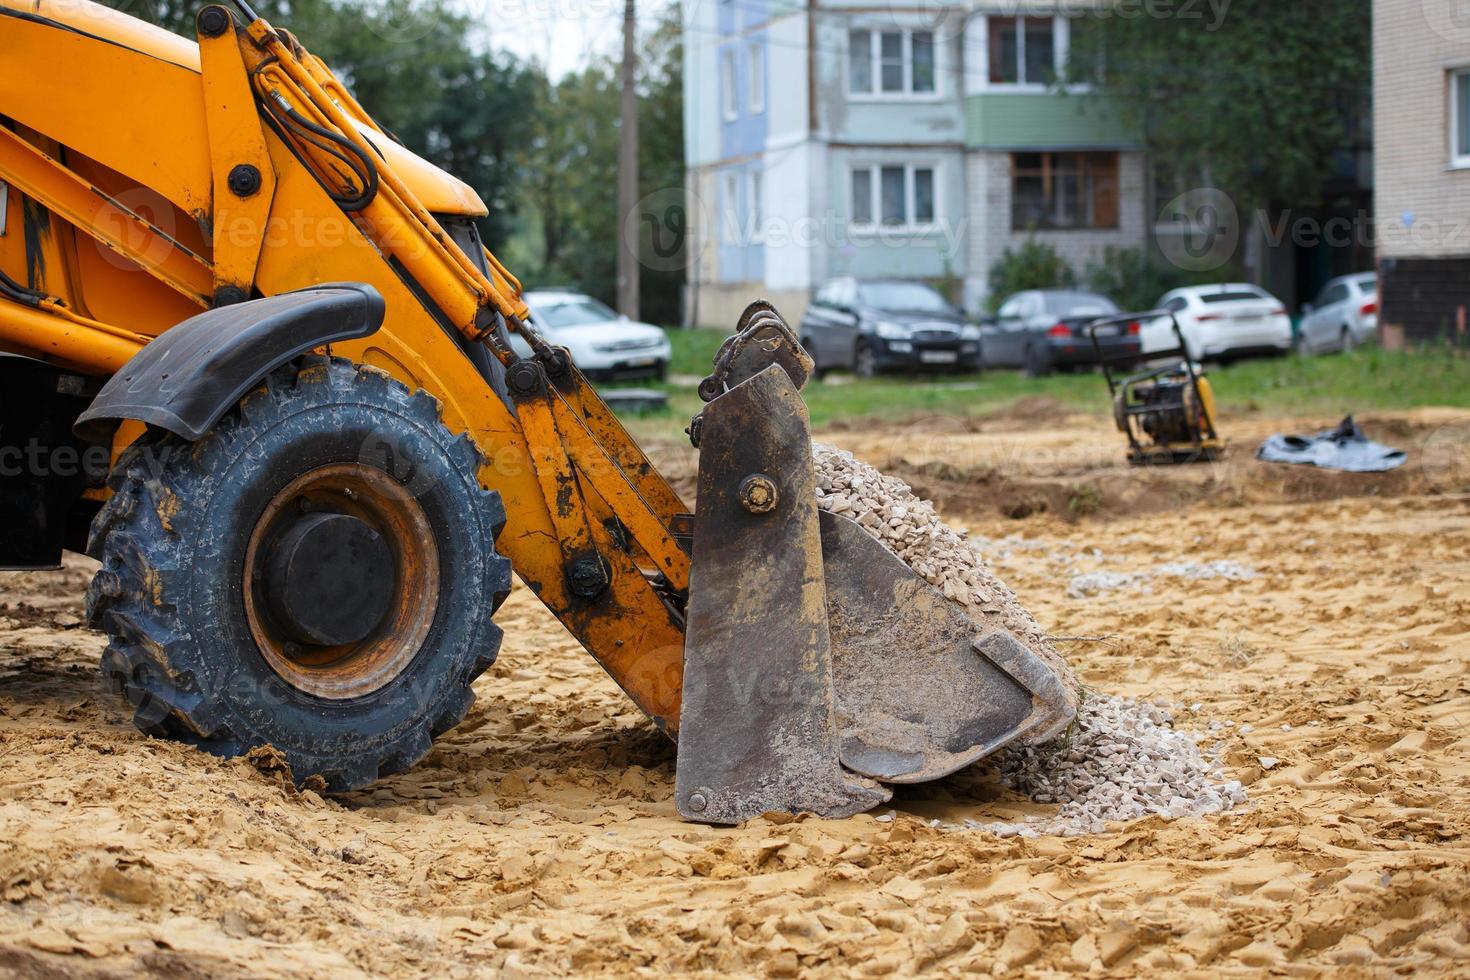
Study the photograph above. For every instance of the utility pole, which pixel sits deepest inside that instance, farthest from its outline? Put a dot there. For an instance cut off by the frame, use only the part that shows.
(628, 170)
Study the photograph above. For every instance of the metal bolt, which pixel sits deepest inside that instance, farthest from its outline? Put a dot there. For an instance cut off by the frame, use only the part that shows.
(523, 377)
(758, 493)
(697, 802)
(588, 577)
(244, 180)
(213, 21)
(229, 296)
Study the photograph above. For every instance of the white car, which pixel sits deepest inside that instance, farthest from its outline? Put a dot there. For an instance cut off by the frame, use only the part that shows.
(1344, 315)
(1220, 322)
(604, 345)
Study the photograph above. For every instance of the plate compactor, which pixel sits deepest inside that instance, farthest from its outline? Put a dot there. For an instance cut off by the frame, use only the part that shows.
(1168, 412)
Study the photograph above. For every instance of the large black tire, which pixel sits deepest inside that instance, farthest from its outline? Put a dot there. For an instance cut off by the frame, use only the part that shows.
(171, 593)
(864, 362)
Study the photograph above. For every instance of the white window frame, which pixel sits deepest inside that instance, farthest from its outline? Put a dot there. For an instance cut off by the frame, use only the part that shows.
(875, 70)
(755, 210)
(875, 192)
(755, 77)
(730, 213)
(729, 93)
(1458, 160)
(979, 52)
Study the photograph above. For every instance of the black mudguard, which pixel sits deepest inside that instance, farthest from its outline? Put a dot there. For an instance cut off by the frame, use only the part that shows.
(196, 371)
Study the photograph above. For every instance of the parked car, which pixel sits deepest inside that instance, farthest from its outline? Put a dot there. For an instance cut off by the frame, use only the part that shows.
(1344, 315)
(604, 345)
(1044, 329)
(1221, 322)
(874, 325)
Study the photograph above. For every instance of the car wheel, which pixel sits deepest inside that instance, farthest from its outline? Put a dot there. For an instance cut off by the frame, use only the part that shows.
(1349, 342)
(865, 365)
(1303, 348)
(1036, 362)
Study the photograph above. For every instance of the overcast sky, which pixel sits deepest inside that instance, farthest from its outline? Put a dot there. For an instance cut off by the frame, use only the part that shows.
(563, 35)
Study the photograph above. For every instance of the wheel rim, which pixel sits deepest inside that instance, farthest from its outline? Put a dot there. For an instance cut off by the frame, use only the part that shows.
(1347, 340)
(865, 364)
(344, 629)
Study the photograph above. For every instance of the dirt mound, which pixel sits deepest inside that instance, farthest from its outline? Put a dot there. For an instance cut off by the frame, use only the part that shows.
(1029, 412)
(1078, 472)
(540, 837)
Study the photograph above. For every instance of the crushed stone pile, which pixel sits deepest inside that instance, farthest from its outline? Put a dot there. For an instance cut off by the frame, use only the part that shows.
(1123, 760)
(944, 557)
(1089, 584)
(1120, 759)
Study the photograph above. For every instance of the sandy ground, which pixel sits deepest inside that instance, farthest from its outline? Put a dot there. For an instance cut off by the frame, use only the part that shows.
(539, 837)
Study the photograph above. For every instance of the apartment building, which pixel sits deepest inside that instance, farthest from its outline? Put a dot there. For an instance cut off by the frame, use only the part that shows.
(912, 140)
(1421, 122)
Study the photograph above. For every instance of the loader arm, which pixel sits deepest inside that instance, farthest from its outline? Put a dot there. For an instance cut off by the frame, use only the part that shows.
(223, 217)
(590, 521)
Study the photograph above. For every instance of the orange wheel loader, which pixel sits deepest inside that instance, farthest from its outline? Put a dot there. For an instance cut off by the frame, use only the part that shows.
(256, 362)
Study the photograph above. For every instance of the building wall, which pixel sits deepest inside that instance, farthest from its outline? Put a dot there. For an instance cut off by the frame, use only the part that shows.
(1415, 47)
(720, 304)
(928, 252)
(990, 233)
(814, 130)
(1044, 121)
(1422, 205)
(887, 117)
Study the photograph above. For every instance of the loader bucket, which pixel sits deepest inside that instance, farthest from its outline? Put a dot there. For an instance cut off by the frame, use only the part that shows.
(817, 665)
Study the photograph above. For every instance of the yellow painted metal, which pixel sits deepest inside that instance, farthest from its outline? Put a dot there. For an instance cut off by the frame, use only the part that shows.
(62, 79)
(400, 222)
(236, 139)
(76, 340)
(105, 218)
(170, 119)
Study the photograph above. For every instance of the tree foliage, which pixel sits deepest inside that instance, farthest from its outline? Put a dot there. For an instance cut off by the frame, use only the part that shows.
(1255, 96)
(1029, 265)
(1136, 280)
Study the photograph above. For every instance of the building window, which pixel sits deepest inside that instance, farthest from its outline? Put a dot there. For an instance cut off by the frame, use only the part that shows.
(898, 196)
(729, 98)
(1460, 118)
(891, 63)
(1064, 190)
(756, 207)
(756, 77)
(862, 196)
(730, 210)
(1023, 50)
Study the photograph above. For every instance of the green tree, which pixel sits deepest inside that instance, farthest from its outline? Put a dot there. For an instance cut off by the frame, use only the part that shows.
(1257, 101)
(661, 160)
(1135, 280)
(571, 166)
(1029, 265)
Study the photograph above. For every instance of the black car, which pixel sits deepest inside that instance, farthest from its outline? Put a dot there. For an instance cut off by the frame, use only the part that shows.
(1044, 329)
(874, 325)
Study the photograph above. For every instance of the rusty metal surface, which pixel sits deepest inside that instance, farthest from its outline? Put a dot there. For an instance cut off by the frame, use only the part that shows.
(761, 338)
(920, 693)
(349, 670)
(758, 728)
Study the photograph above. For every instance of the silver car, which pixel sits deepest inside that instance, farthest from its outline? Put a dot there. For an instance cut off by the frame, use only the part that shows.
(1343, 316)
